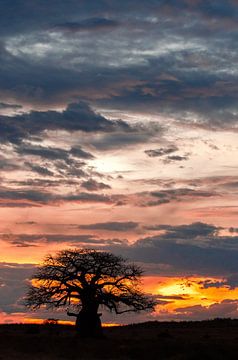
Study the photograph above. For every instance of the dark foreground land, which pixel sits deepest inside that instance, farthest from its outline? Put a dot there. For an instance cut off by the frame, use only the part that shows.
(216, 339)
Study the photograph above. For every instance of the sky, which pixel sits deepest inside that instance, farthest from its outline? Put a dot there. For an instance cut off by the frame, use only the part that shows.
(118, 132)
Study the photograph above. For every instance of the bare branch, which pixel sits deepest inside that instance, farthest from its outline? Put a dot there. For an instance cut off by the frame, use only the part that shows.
(88, 278)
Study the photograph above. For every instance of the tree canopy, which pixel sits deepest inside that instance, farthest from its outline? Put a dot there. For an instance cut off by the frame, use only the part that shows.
(86, 279)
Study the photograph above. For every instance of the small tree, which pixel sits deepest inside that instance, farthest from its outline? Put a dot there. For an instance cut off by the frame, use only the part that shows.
(87, 279)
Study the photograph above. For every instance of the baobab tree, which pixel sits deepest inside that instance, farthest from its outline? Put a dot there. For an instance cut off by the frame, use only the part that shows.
(87, 280)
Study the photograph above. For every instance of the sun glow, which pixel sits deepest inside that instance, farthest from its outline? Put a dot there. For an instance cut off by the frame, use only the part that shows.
(181, 293)
(178, 289)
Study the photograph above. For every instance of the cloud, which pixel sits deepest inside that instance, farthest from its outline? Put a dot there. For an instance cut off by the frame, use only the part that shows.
(76, 240)
(80, 153)
(43, 152)
(176, 158)
(181, 259)
(112, 226)
(206, 284)
(189, 231)
(44, 183)
(24, 198)
(8, 164)
(53, 161)
(225, 309)
(160, 197)
(27, 195)
(13, 278)
(161, 151)
(230, 282)
(37, 197)
(87, 197)
(27, 222)
(182, 251)
(93, 185)
(91, 24)
(173, 297)
(138, 133)
(39, 169)
(4, 106)
(187, 72)
(185, 250)
(77, 117)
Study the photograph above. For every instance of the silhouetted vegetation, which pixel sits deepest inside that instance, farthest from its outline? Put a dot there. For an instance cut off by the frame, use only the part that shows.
(213, 340)
(86, 280)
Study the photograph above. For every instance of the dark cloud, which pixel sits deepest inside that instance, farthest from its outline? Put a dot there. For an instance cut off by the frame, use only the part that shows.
(173, 297)
(43, 152)
(19, 198)
(77, 117)
(39, 169)
(189, 231)
(181, 192)
(162, 197)
(93, 185)
(232, 281)
(176, 158)
(225, 309)
(27, 195)
(34, 240)
(27, 223)
(4, 106)
(157, 60)
(224, 9)
(206, 284)
(43, 183)
(112, 226)
(92, 24)
(8, 164)
(80, 153)
(26, 240)
(88, 197)
(208, 183)
(181, 259)
(138, 134)
(52, 161)
(13, 278)
(69, 168)
(161, 151)
(155, 198)
(39, 197)
(233, 185)
(186, 250)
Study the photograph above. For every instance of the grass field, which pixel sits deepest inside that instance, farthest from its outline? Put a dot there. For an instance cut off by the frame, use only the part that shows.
(217, 339)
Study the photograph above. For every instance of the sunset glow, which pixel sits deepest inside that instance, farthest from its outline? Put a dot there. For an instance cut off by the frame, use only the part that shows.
(118, 132)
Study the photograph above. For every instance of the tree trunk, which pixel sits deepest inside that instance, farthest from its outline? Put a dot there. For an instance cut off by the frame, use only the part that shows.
(88, 323)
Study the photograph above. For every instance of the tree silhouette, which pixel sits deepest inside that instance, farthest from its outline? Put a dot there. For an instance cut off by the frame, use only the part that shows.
(85, 280)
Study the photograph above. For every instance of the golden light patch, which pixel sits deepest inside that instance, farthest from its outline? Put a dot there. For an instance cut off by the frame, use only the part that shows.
(173, 293)
(178, 289)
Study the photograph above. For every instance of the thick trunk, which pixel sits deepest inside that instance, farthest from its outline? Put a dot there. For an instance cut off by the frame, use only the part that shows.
(88, 323)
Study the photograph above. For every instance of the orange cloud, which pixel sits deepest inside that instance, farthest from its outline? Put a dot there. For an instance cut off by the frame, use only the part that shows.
(181, 293)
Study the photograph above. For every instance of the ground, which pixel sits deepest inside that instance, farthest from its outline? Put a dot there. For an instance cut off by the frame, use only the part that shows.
(217, 339)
